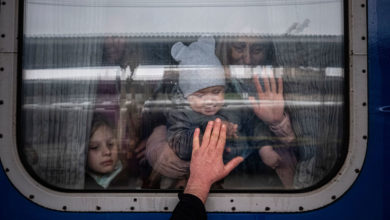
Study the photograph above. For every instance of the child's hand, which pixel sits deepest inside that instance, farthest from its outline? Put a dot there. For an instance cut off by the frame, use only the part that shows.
(140, 152)
(269, 157)
(231, 129)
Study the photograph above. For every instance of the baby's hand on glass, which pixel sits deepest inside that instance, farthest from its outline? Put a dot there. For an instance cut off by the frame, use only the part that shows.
(231, 129)
(227, 151)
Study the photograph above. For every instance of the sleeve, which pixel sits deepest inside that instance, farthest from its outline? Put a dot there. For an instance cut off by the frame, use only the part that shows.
(180, 133)
(162, 158)
(283, 131)
(189, 207)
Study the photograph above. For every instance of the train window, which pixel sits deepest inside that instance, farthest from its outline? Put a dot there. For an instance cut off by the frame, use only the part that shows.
(111, 91)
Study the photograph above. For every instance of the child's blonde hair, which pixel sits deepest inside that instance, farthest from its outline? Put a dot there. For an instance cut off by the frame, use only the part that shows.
(98, 121)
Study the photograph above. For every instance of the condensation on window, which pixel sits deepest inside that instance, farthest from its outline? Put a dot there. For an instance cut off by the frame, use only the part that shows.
(113, 90)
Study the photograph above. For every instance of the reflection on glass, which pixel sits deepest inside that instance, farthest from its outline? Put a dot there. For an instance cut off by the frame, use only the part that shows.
(111, 103)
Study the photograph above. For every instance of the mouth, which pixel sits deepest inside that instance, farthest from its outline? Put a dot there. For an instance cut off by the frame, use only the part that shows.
(209, 110)
(107, 163)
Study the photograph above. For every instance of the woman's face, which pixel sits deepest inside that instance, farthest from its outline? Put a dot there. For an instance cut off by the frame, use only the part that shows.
(114, 49)
(247, 53)
(102, 151)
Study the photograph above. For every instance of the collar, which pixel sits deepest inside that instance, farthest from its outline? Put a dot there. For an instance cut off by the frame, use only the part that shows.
(105, 180)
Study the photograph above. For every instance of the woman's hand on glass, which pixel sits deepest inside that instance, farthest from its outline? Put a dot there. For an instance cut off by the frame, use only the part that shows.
(270, 104)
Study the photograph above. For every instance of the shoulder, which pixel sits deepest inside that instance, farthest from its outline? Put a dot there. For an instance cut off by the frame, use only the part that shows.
(231, 115)
(90, 183)
(122, 180)
(184, 114)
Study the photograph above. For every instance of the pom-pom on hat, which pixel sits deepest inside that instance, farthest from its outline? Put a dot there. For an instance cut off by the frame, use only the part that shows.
(199, 68)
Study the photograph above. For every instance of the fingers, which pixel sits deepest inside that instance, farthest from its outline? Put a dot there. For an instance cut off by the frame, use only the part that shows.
(252, 100)
(207, 132)
(195, 141)
(140, 155)
(272, 79)
(222, 139)
(231, 165)
(257, 85)
(216, 132)
(140, 147)
(228, 150)
(280, 85)
(269, 82)
(266, 84)
(235, 127)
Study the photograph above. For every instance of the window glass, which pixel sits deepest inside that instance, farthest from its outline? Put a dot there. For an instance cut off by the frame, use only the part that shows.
(113, 90)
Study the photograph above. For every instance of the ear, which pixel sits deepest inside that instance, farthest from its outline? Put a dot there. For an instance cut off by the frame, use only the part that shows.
(207, 43)
(178, 51)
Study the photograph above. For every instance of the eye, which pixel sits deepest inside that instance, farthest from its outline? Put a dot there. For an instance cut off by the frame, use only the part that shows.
(257, 50)
(238, 49)
(110, 144)
(93, 147)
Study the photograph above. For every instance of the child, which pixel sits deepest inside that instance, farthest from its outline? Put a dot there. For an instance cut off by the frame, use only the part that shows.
(104, 167)
(202, 82)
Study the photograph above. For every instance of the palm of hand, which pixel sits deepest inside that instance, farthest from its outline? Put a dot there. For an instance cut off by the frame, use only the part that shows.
(208, 155)
(270, 106)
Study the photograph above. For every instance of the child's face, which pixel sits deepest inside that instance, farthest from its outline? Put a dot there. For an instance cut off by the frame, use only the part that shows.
(207, 101)
(102, 151)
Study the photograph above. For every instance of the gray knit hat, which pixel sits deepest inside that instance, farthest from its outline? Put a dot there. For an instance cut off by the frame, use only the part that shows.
(199, 68)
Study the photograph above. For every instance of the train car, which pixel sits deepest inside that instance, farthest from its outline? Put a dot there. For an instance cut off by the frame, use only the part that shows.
(86, 80)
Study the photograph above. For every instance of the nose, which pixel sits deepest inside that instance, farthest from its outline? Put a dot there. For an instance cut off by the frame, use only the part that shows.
(106, 151)
(210, 100)
(247, 56)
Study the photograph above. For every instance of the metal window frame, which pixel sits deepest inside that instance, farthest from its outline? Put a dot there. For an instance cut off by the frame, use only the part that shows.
(165, 202)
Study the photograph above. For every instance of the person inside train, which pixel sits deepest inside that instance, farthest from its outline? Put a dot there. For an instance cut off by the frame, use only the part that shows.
(114, 49)
(246, 51)
(104, 167)
(257, 56)
(203, 90)
(174, 162)
(118, 52)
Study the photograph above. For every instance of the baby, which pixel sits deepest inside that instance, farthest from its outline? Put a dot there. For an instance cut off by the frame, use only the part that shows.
(104, 168)
(202, 82)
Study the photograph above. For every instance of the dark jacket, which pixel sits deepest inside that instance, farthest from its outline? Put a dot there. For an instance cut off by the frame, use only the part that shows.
(181, 125)
(189, 207)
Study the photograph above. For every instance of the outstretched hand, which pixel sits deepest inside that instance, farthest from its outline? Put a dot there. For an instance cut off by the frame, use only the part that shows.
(207, 164)
(270, 106)
(231, 129)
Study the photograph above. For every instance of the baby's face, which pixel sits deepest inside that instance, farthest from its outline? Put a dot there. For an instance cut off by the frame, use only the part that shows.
(207, 101)
(102, 151)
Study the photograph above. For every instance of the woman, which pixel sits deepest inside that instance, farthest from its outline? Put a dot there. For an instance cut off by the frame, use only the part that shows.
(248, 53)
